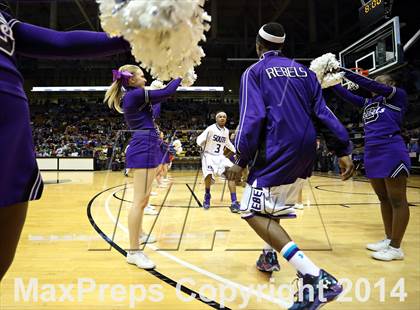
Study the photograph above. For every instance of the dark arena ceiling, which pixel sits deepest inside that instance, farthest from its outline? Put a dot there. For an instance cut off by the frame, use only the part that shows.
(313, 27)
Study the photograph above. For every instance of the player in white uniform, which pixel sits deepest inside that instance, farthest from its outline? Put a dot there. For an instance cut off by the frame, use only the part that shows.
(213, 142)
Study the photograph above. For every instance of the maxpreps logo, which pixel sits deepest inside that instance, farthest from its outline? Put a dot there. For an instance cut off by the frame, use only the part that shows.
(371, 112)
(7, 42)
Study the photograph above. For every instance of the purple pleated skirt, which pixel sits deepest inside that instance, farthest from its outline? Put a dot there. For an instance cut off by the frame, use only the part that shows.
(386, 159)
(144, 151)
(20, 180)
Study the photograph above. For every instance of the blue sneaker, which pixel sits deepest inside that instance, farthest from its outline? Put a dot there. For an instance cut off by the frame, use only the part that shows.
(206, 203)
(267, 262)
(330, 291)
(235, 206)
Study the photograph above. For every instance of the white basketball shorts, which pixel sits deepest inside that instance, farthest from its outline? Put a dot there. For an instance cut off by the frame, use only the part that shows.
(273, 202)
(214, 164)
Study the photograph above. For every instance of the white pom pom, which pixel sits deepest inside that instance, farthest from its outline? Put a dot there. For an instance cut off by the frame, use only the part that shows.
(164, 34)
(189, 78)
(177, 143)
(177, 146)
(325, 68)
(156, 84)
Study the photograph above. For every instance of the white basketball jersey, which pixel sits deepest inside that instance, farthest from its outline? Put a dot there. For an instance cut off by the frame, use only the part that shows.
(214, 139)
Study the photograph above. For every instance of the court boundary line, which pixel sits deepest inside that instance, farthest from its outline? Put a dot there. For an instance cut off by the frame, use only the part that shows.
(194, 196)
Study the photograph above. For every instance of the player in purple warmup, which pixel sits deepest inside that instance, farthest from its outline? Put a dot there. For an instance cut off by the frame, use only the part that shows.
(386, 159)
(279, 101)
(127, 95)
(20, 180)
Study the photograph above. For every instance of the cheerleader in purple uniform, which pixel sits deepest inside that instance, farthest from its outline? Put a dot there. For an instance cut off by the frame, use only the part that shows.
(128, 96)
(386, 159)
(20, 180)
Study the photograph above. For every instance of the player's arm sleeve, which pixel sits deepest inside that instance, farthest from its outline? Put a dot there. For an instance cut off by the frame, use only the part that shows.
(251, 119)
(35, 41)
(348, 96)
(370, 85)
(158, 95)
(202, 138)
(326, 116)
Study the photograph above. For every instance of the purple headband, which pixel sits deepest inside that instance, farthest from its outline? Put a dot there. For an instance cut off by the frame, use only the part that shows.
(122, 76)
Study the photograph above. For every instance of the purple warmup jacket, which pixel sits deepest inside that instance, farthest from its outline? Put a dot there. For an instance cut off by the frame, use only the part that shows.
(20, 179)
(279, 100)
(382, 114)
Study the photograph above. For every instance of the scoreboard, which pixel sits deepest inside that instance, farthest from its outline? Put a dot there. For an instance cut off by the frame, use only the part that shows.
(373, 11)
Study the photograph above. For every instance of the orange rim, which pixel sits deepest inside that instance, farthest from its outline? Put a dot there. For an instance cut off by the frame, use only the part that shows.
(360, 71)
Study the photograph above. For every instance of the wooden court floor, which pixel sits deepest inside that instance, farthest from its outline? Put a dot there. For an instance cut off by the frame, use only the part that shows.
(64, 263)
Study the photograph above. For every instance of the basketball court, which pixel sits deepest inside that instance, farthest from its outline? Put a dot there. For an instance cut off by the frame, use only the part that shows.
(76, 234)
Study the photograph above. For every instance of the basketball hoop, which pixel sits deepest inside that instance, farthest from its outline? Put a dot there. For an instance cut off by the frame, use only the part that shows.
(349, 84)
(360, 71)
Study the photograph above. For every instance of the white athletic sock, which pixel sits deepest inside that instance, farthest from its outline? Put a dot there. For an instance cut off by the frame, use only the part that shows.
(299, 260)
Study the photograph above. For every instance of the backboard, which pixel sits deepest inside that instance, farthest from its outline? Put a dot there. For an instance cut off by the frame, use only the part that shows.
(379, 51)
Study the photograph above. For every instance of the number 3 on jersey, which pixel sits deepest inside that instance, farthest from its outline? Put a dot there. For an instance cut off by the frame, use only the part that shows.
(218, 148)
